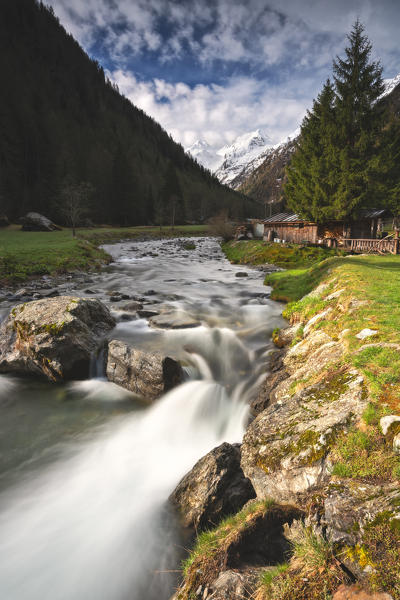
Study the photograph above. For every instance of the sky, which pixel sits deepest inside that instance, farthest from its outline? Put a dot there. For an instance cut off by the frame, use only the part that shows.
(215, 69)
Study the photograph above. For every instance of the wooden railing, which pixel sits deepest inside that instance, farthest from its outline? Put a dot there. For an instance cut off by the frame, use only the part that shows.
(368, 245)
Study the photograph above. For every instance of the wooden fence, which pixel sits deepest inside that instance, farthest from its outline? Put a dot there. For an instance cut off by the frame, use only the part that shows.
(373, 246)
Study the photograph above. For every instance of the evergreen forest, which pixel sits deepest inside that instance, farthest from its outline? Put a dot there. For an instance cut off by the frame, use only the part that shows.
(65, 126)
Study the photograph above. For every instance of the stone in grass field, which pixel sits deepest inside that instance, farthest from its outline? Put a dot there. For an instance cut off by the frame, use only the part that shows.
(33, 221)
(387, 422)
(365, 333)
(355, 592)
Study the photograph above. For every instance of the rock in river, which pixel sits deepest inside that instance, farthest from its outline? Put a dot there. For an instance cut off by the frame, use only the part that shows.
(214, 488)
(53, 337)
(148, 375)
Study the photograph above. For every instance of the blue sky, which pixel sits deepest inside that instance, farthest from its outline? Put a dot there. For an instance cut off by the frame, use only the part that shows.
(215, 69)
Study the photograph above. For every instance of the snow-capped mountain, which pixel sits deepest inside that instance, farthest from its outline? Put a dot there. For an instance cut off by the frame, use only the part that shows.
(229, 161)
(205, 155)
(390, 84)
(245, 149)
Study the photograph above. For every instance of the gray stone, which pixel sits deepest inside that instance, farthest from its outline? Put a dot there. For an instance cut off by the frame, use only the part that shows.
(214, 488)
(33, 221)
(146, 313)
(148, 375)
(396, 444)
(387, 422)
(348, 506)
(53, 338)
(232, 585)
(364, 333)
(131, 307)
(285, 450)
(173, 320)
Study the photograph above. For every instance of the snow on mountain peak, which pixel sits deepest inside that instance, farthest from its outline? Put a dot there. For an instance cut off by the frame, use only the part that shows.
(230, 160)
(390, 84)
(204, 154)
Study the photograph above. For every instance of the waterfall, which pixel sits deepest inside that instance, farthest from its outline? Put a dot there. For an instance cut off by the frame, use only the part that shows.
(91, 526)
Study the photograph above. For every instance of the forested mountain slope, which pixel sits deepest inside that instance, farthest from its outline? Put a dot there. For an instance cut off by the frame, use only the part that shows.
(62, 122)
(265, 183)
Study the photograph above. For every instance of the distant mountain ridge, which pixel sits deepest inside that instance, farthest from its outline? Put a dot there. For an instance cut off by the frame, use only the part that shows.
(229, 161)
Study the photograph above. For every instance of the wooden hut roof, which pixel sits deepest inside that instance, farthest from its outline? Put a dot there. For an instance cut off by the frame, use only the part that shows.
(285, 218)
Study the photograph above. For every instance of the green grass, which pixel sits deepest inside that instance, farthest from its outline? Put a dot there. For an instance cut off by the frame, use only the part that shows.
(27, 254)
(108, 235)
(257, 252)
(209, 541)
(313, 572)
(371, 299)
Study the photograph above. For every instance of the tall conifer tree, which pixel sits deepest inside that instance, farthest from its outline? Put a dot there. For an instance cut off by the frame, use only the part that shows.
(313, 173)
(331, 174)
(359, 84)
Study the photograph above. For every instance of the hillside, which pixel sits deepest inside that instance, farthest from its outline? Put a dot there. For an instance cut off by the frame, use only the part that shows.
(264, 183)
(64, 122)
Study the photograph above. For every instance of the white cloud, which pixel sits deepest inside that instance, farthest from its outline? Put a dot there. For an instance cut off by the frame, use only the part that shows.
(216, 113)
(304, 31)
(295, 41)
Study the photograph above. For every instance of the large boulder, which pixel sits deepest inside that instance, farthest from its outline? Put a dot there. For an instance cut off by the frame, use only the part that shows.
(34, 221)
(147, 374)
(214, 488)
(285, 450)
(53, 338)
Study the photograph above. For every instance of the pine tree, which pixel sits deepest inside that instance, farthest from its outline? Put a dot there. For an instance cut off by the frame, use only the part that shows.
(359, 118)
(313, 173)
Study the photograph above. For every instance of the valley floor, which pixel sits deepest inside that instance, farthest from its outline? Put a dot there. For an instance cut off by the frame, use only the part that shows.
(25, 254)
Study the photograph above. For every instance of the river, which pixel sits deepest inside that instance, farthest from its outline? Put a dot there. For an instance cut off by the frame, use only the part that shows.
(86, 468)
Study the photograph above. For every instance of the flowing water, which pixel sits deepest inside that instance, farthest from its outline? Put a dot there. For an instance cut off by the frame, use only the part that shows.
(86, 468)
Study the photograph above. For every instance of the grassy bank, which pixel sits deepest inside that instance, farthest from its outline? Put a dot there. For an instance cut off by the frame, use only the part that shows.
(350, 294)
(26, 254)
(369, 298)
(258, 252)
(108, 235)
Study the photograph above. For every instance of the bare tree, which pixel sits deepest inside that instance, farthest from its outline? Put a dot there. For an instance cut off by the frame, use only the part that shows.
(74, 202)
(221, 226)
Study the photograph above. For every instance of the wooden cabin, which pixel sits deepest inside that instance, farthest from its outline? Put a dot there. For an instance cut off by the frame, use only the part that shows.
(290, 228)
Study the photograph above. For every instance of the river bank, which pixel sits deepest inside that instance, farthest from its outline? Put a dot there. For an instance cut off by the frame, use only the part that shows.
(26, 255)
(325, 440)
